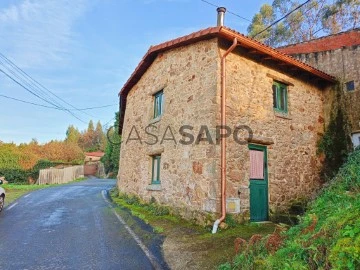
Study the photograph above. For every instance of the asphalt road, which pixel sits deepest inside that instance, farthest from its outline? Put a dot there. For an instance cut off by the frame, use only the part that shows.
(73, 227)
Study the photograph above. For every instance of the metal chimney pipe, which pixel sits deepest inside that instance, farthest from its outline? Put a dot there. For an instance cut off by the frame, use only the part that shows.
(221, 14)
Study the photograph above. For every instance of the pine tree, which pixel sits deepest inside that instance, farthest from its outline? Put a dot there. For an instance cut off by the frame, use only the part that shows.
(316, 18)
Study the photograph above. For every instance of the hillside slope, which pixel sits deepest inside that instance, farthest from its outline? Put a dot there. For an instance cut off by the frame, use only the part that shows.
(328, 236)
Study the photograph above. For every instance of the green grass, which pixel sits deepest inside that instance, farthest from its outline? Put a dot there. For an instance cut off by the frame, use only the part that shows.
(328, 236)
(15, 191)
(207, 249)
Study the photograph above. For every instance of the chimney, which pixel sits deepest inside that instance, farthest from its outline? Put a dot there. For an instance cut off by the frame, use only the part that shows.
(221, 14)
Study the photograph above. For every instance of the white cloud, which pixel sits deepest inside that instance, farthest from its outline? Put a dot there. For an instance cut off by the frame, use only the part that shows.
(39, 33)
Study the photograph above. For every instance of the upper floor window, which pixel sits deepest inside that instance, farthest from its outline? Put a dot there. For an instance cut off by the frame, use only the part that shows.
(158, 103)
(280, 97)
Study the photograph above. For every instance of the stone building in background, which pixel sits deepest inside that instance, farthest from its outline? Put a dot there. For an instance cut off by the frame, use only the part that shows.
(275, 107)
(338, 55)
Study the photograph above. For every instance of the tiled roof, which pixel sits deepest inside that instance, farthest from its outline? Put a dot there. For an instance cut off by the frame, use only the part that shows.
(94, 154)
(327, 43)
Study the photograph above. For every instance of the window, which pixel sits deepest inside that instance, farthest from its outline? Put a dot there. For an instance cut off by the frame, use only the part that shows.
(257, 164)
(355, 137)
(280, 97)
(350, 86)
(158, 103)
(155, 178)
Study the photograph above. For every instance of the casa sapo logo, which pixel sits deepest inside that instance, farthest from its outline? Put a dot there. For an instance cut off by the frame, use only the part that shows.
(186, 135)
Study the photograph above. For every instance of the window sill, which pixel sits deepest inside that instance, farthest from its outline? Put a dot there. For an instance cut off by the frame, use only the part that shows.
(351, 91)
(154, 187)
(282, 115)
(155, 120)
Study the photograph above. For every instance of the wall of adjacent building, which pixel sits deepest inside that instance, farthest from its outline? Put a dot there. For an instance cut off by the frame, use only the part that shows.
(344, 64)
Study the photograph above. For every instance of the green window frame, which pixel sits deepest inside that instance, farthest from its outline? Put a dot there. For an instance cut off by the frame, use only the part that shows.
(155, 175)
(280, 97)
(158, 104)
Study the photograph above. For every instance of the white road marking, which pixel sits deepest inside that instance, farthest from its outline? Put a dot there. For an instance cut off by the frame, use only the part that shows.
(147, 252)
(11, 206)
(27, 195)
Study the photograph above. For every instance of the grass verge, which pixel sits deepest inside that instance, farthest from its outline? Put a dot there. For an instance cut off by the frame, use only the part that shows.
(328, 236)
(186, 245)
(15, 191)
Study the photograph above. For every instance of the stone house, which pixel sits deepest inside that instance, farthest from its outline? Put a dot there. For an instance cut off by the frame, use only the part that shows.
(171, 120)
(338, 55)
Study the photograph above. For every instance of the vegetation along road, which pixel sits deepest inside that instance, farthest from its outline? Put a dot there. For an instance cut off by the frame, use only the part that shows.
(73, 227)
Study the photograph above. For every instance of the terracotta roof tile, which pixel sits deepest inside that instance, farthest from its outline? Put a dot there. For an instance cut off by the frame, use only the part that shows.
(94, 154)
(327, 43)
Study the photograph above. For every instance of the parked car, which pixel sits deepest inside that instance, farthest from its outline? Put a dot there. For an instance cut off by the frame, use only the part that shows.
(2, 196)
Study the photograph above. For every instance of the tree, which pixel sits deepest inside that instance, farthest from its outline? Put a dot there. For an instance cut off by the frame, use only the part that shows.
(72, 135)
(59, 151)
(112, 151)
(343, 14)
(261, 20)
(90, 126)
(310, 21)
(100, 137)
(93, 139)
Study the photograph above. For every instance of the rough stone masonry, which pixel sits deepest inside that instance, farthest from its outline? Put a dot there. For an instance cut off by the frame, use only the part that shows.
(190, 174)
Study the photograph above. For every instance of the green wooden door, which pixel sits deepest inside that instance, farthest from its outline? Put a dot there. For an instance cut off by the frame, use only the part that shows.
(258, 183)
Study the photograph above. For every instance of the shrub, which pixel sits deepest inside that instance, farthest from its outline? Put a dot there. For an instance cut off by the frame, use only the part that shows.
(15, 175)
(40, 165)
(327, 237)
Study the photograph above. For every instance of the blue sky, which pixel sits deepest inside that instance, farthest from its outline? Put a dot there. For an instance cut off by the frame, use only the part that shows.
(85, 50)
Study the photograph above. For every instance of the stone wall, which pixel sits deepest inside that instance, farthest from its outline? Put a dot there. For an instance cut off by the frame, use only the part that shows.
(293, 164)
(344, 64)
(189, 173)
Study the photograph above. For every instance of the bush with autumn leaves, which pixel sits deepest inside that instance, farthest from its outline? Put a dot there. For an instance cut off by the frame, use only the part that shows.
(21, 163)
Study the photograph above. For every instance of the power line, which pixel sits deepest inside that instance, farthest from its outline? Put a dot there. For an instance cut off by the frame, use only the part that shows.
(27, 89)
(38, 83)
(277, 21)
(56, 108)
(29, 86)
(98, 107)
(232, 13)
(108, 122)
(28, 83)
(28, 102)
(33, 89)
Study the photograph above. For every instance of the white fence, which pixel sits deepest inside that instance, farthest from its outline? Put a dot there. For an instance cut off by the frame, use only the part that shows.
(60, 176)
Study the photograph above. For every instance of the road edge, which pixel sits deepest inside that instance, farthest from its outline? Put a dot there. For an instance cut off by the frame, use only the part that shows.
(153, 260)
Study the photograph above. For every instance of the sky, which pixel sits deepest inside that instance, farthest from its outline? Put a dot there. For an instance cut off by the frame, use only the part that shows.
(83, 51)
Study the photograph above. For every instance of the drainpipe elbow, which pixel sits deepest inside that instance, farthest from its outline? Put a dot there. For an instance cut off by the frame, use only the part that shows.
(216, 225)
